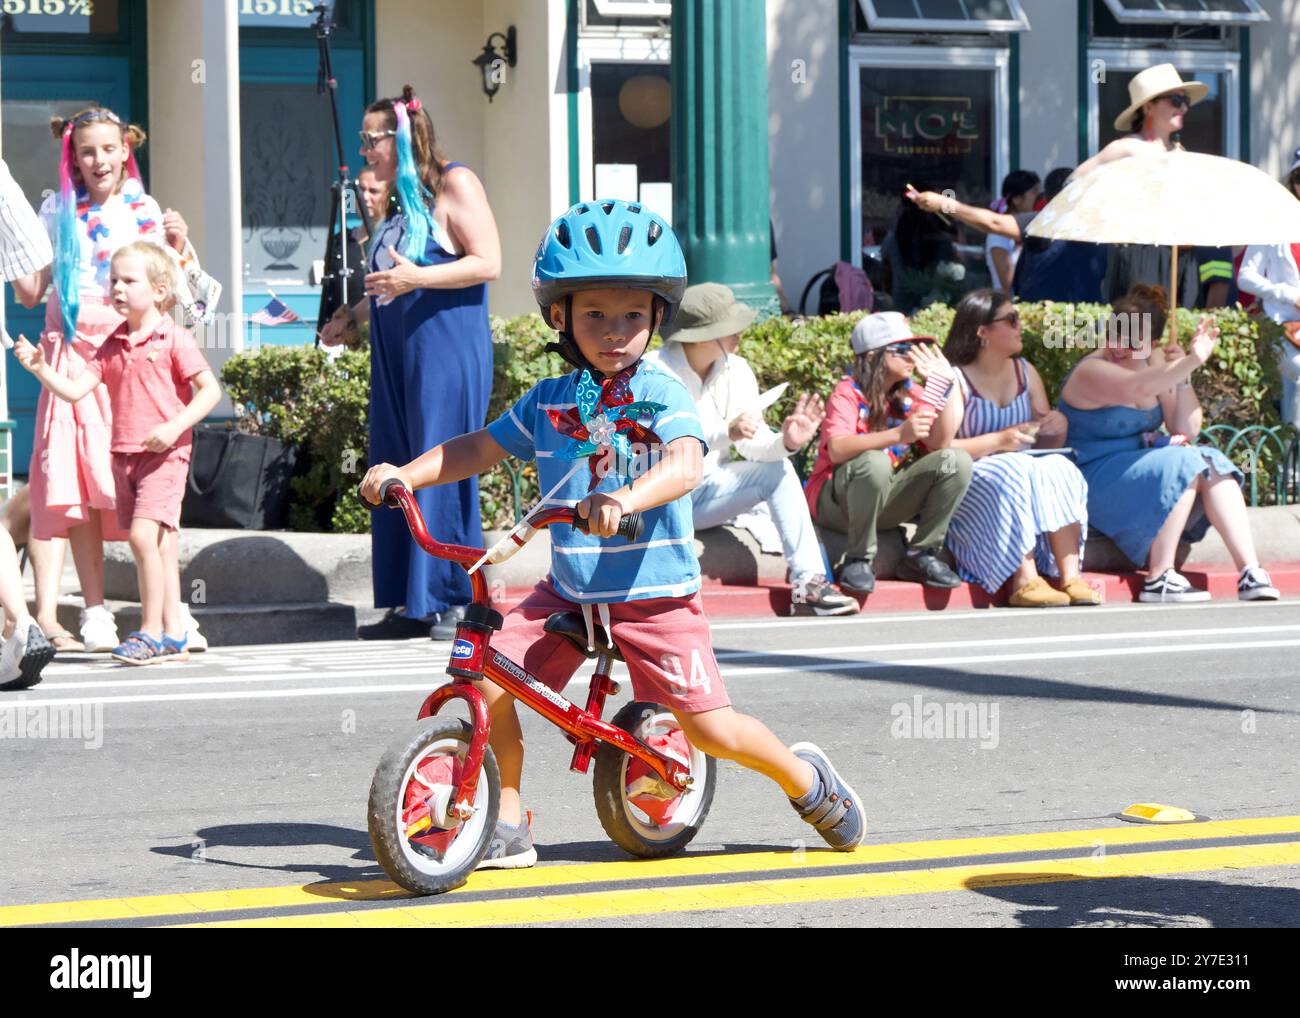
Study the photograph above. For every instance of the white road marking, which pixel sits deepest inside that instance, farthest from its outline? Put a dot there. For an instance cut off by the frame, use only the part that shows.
(728, 674)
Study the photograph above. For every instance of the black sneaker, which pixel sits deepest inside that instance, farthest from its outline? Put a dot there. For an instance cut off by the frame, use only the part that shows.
(1255, 585)
(394, 626)
(856, 576)
(817, 597)
(1171, 586)
(445, 627)
(922, 566)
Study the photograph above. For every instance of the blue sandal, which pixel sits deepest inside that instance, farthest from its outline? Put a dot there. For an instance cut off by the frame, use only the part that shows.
(139, 649)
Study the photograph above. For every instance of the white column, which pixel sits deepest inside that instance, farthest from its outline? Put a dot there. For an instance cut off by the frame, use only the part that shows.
(223, 255)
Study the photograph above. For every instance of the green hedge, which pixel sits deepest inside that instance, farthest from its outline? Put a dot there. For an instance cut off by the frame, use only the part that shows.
(298, 395)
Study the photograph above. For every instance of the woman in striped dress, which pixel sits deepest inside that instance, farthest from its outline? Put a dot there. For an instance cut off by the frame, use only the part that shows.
(1022, 515)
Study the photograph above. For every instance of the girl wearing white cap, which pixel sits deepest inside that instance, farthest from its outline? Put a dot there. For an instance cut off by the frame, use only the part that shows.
(883, 458)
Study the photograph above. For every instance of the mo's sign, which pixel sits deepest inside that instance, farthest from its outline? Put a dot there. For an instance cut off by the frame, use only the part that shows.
(926, 125)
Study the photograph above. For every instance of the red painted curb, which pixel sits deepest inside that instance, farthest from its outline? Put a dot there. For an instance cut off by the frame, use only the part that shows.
(723, 601)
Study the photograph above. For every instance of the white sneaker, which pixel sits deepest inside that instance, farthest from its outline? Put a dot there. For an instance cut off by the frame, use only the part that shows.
(1255, 585)
(196, 640)
(1171, 585)
(98, 629)
(24, 656)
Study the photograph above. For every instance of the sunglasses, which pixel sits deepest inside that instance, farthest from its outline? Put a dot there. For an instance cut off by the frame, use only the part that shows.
(900, 349)
(371, 139)
(1012, 319)
(1178, 102)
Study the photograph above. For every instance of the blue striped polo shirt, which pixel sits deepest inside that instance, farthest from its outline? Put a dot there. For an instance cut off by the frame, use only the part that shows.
(593, 569)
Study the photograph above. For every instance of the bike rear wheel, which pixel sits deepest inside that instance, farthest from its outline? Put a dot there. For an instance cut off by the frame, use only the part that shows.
(642, 814)
(424, 767)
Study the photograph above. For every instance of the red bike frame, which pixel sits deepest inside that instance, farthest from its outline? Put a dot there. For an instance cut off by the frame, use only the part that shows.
(473, 659)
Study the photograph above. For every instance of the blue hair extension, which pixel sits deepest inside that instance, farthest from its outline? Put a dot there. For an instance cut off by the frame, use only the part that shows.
(413, 195)
(67, 248)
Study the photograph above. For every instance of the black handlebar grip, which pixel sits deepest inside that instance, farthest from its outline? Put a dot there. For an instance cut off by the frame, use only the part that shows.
(383, 494)
(630, 526)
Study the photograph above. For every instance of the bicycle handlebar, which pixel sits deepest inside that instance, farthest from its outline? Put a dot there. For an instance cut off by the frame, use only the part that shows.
(630, 527)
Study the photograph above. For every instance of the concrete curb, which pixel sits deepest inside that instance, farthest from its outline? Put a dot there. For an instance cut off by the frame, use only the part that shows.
(284, 586)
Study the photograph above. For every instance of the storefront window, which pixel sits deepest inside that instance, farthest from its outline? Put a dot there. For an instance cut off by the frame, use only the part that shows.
(927, 127)
(286, 160)
(631, 106)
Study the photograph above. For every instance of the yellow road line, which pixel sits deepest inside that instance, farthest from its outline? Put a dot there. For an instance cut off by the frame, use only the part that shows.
(790, 891)
(203, 902)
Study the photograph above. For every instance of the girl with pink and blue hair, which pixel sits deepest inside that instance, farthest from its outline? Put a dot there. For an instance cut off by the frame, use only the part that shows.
(100, 206)
(429, 265)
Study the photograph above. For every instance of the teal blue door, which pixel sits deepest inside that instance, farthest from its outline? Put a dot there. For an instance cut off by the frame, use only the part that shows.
(34, 89)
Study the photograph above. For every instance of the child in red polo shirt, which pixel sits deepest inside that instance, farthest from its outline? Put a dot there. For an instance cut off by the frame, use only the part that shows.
(150, 365)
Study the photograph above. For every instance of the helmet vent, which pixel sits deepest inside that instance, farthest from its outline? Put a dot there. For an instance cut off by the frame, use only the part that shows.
(624, 236)
(593, 238)
(607, 207)
(634, 209)
(652, 234)
(582, 210)
(562, 235)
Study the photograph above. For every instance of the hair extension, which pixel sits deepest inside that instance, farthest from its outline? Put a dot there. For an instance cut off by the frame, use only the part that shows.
(67, 249)
(412, 193)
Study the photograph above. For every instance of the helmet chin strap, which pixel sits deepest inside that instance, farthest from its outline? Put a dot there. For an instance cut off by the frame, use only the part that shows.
(568, 349)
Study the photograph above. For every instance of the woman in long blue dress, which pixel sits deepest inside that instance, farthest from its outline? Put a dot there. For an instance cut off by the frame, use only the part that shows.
(430, 354)
(1148, 490)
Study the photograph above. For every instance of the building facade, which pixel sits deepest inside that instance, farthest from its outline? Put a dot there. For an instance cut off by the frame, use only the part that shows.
(864, 96)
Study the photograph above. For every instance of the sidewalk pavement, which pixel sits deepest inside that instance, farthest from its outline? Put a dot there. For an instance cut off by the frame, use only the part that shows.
(281, 586)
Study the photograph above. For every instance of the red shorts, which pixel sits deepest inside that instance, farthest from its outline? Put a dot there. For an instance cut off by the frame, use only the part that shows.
(665, 642)
(151, 486)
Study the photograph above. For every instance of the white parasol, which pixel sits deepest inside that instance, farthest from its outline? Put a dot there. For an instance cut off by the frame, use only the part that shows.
(1172, 198)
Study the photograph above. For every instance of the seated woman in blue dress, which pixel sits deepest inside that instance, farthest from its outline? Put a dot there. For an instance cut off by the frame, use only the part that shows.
(1147, 491)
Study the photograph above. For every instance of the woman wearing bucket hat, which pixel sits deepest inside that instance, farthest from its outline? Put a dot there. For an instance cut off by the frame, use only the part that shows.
(868, 472)
(700, 350)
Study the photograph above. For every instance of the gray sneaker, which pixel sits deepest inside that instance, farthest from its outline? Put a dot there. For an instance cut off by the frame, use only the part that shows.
(511, 847)
(838, 816)
(817, 597)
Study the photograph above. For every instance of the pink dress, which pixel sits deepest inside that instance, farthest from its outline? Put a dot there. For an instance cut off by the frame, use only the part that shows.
(71, 472)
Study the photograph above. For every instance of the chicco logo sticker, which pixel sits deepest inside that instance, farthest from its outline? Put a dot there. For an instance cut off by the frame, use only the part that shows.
(462, 649)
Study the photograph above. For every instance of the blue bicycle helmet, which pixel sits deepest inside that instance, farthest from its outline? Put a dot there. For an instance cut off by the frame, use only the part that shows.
(610, 243)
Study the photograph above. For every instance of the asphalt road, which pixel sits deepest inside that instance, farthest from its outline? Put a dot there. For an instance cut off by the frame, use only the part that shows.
(233, 788)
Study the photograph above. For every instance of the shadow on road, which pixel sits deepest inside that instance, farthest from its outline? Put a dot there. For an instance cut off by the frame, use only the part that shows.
(986, 684)
(1157, 902)
(230, 839)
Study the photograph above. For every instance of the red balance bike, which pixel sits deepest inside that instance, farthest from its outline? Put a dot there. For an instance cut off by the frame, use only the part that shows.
(435, 796)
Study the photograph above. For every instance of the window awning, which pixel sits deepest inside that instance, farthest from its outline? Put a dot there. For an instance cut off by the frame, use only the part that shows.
(1187, 12)
(945, 15)
(634, 8)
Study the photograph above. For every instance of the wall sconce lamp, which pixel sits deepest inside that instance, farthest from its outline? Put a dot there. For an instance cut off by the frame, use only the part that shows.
(493, 64)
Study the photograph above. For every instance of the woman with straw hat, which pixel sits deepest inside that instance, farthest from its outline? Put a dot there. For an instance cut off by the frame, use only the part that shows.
(1158, 102)
(700, 350)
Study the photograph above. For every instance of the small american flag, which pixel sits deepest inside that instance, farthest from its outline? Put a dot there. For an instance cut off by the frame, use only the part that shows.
(275, 313)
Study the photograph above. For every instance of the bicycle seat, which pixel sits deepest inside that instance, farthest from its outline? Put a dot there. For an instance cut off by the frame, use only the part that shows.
(571, 626)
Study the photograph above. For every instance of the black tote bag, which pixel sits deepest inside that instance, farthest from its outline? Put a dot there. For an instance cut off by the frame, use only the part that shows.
(238, 481)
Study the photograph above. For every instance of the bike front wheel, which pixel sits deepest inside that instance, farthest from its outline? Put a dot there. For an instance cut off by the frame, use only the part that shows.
(424, 768)
(640, 812)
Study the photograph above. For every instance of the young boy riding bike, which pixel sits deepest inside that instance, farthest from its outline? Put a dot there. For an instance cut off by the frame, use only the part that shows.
(606, 276)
